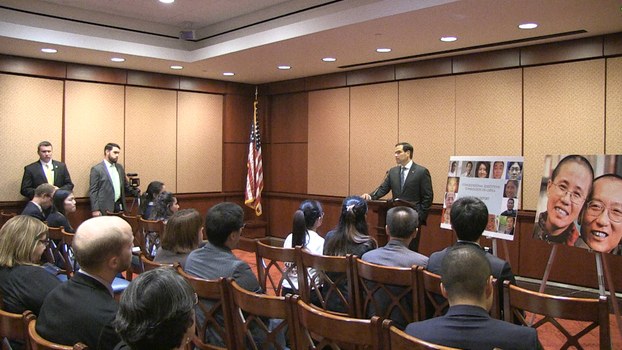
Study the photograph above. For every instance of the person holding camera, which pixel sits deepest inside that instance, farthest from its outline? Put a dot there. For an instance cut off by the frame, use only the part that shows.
(108, 183)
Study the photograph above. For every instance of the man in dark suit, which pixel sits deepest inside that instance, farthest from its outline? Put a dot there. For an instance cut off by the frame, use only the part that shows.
(467, 284)
(408, 181)
(83, 308)
(469, 217)
(107, 183)
(41, 202)
(45, 170)
(223, 225)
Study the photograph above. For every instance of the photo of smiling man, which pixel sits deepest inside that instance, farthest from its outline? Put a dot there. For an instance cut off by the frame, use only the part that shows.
(601, 218)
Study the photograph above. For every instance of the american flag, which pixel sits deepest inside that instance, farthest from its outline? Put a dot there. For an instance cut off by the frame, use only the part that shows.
(254, 164)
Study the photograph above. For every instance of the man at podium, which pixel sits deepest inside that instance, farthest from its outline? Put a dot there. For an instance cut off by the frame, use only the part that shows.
(409, 182)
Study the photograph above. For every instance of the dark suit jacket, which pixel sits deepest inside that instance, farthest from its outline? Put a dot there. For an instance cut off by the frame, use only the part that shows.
(35, 176)
(101, 190)
(501, 269)
(417, 188)
(79, 310)
(33, 210)
(470, 327)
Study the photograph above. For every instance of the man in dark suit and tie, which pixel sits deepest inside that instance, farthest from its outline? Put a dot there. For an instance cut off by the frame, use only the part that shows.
(83, 308)
(469, 217)
(45, 170)
(41, 202)
(466, 282)
(107, 185)
(407, 181)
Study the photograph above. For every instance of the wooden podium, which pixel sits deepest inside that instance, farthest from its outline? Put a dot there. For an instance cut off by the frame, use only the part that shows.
(382, 207)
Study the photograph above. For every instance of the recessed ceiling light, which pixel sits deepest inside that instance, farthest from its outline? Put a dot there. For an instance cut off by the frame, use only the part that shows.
(47, 50)
(167, 1)
(383, 50)
(117, 59)
(228, 74)
(284, 67)
(177, 67)
(329, 59)
(528, 25)
(448, 39)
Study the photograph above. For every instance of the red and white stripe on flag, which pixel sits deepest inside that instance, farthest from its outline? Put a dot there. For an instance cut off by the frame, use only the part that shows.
(254, 164)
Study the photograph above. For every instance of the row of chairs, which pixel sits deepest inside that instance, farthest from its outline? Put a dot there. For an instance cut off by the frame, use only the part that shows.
(260, 321)
(4, 217)
(419, 288)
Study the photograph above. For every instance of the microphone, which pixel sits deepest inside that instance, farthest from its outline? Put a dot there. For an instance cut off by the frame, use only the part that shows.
(373, 194)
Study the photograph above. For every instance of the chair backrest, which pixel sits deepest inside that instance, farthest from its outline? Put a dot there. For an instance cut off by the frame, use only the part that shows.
(326, 282)
(316, 329)
(387, 292)
(396, 339)
(54, 250)
(550, 307)
(133, 221)
(260, 321)
(149, 234)
(38, 343)
(4, 217)
(110, 213)
(13, 327)
(247, 244)
(431, 301)
(214, 306)
(149, 264)
(274, 265)
(71, 265)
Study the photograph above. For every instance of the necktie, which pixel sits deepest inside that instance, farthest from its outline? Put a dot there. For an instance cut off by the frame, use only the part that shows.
(403, 176)
(49, 174)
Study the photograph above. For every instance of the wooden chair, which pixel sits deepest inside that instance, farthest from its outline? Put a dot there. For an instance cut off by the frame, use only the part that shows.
(54, 250)
(133, 221)
(135, 225)
(4, 217)
(256, 318)
(247, 244)
(214, 306)
(71, 265)
(149, 264)
(317, 329)
(274, 264)
(594, 311)
(387, 292)
(38, 343)
(13, 328)
(118, 214)
(149, 235)
(396, 339)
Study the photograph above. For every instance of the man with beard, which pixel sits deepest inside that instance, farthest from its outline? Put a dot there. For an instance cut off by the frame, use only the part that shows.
(107, 185)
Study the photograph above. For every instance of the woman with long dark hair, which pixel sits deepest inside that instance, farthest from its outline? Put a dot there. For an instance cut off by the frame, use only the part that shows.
(148, 198)
(306, 221)
(64, 202)
(351, 234)
(165, 206)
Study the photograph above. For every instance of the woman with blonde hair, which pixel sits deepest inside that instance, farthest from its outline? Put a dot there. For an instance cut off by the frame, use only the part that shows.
(23, 282)
(183, 233)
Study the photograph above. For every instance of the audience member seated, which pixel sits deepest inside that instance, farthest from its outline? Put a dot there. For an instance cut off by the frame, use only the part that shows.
(349, 237)
(469, 217)
(64, 203)
(147, 199)
(83, 308)
(223, 225)
(183, 233)
(306, 221)
(24, 284)
(402, 223)
(156, 312)
(467, 284)
(165, 206)
(39, 204)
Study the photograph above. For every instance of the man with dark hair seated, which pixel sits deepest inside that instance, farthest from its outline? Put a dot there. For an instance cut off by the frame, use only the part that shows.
(467, 284)
(156, 312)
(469, 217)
(223, 225)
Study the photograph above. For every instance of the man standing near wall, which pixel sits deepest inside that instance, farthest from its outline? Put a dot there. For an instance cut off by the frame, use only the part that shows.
(45, 170)
(107, 185)
(407, 181)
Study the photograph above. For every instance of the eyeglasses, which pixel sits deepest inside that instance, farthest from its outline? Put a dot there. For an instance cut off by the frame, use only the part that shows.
(596, 208)
(196, 299)
(562, 190)
(44, 242)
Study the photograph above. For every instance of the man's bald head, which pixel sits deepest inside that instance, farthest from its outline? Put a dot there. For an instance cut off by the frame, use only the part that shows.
(100, 238)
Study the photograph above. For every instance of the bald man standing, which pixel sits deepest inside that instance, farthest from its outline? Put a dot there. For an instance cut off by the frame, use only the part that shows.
(83, 308)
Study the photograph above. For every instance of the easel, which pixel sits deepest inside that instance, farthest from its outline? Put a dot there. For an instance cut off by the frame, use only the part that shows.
(506, 251)
(601, 265)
